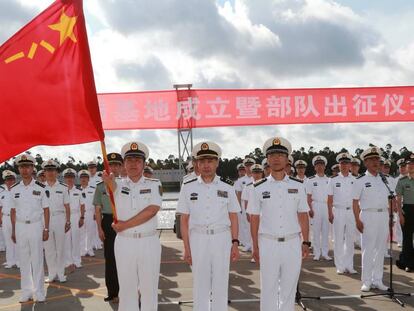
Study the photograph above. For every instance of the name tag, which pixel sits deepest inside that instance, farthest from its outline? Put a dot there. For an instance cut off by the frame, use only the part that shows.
(315, 184)
(222, 194)
(125, 192)
(36, 192)
(293, 190)
(75, 194)
(17, 195)
(338, 185)
(407, 187)
(143, 191)
(59, 192)
(368, 185)
(266, 195)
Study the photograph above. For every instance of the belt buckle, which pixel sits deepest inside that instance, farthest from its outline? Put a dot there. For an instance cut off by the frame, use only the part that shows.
(27, 222)
(281, 239)
(379, 210)
(210, 231)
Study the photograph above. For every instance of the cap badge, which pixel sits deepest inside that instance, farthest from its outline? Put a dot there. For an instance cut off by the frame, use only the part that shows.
(134, 146)
(276, 141)
(204, 146)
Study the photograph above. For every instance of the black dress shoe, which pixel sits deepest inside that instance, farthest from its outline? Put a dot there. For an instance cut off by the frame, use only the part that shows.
(109, 298)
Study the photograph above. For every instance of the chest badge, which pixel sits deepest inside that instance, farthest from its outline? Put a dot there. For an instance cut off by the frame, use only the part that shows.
(222, 194)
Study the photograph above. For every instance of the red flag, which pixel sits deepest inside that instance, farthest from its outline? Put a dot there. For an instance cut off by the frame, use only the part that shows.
(47, 89)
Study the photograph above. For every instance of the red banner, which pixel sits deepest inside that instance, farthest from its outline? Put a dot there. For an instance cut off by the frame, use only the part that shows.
(208, 108)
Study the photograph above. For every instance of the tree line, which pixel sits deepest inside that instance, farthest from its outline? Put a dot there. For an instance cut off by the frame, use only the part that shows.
(227, 167)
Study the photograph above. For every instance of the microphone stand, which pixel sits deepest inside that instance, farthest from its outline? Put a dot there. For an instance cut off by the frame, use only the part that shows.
(299, 297)
(390, 292)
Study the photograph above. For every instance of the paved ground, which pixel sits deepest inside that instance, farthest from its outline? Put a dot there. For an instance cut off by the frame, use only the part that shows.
(85, 288)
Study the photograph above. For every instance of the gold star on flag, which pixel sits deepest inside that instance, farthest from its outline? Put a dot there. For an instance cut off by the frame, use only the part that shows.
(65, 27)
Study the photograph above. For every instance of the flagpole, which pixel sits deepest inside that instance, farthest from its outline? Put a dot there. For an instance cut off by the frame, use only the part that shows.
(109, 186)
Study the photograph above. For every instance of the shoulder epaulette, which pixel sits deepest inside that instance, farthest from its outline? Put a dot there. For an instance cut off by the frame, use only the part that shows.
(227, 181)
(40, 184)
(386, 175)
(295, 179)
(250, 183)
(15, 185)
(404, 177)
(362, 175)
(189, 181)
(99, 183)
(79, 188)
(63, 184)
(312, 177)
(259, 182)
(1, 187)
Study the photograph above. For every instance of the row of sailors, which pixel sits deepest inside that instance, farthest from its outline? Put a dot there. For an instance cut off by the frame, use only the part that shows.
(70, 230)
(347, 200)
(278, 208)
(45, 220)
(88, 235)
(249, 171)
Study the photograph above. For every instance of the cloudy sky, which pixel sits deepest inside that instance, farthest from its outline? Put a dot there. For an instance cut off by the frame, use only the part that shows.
(150, 45)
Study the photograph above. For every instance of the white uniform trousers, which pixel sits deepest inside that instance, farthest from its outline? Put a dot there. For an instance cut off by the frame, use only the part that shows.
(344, 231)
(55, 247)
(2, 241)
(246, 238)
(138, 264)
(280, 264)
(90, 232)
(397, 234)
(320, 229)
(211, 265)
(30, 249)
(11, 248)
(72, 247)
(357, 237)
(97, 241)
(373, 245)
(82, 235)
